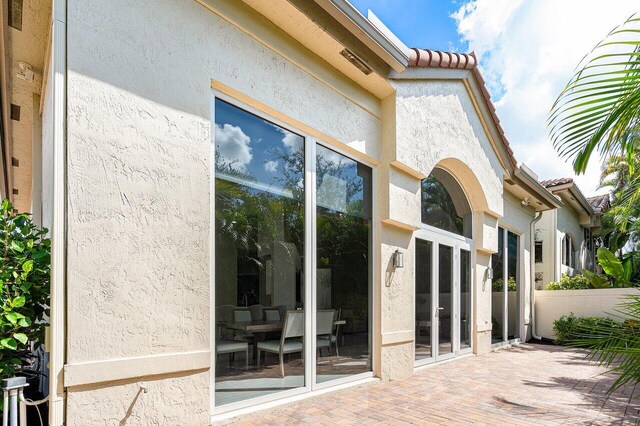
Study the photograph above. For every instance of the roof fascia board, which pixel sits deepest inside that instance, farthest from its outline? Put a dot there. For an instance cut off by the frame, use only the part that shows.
(535, 188)
(366, 32)
(577, 194)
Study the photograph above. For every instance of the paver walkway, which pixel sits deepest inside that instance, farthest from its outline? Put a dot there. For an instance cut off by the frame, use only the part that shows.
(527, 384)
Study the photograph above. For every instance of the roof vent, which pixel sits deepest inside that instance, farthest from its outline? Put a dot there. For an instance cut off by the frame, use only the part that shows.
(356, 62)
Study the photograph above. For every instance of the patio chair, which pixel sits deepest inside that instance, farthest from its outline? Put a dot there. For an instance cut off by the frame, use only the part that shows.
(272, 314)
(231, 347)
(324, 328)
(290, 341)
(242, 315)
(257, 312)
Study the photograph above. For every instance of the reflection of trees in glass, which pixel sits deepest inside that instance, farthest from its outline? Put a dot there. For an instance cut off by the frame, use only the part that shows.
(437, 207)
(343, 236)
(244, 213)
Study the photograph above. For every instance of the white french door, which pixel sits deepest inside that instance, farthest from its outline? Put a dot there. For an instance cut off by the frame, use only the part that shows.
(443, 296)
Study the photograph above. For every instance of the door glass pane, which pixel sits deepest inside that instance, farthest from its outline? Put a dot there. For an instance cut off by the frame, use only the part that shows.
(513, 286)
(465, 299)
(259, 243)
(445, 300)
(497, 291)
(424, 294)
(343, 193)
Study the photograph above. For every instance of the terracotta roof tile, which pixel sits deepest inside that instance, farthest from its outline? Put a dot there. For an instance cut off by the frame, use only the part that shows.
(602, 202)
(555, 182)
(437, 59)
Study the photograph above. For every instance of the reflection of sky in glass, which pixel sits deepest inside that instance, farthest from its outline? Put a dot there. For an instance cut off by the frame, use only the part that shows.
(256, 153)
(341, 183)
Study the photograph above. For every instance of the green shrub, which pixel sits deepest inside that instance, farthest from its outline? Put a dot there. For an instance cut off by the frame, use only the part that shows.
(571, 328)
(497, 285)
(576, 282)
(24, 285)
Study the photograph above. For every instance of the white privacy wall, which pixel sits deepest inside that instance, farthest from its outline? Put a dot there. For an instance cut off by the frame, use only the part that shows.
(553, 304)
(139, 105)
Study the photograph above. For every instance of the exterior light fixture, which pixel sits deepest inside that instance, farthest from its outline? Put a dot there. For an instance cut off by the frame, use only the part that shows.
(398, 259)
(489, 273)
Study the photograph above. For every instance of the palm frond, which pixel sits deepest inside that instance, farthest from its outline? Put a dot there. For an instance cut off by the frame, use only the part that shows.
(601, 101)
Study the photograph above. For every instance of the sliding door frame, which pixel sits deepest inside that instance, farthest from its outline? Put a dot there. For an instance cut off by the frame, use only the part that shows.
(310, 265)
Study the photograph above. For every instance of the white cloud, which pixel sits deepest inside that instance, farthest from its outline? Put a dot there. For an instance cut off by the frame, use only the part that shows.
(528, 51)
(271, 166)
(291, 140)
(233, 146)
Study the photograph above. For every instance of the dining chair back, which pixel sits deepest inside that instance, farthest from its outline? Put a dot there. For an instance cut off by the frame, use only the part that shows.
(257, 312)
(241, 315)
(272, 314)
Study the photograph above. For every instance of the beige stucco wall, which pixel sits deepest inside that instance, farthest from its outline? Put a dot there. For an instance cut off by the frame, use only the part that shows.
(545, 228)
(139, 105)
(432, 123)
(569, 223)
(553, 304)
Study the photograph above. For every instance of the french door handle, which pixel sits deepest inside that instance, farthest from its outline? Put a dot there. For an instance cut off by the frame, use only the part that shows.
(438, 309)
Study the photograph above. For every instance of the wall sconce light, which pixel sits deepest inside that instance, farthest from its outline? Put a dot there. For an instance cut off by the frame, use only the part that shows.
(489, 273)
(398, 259)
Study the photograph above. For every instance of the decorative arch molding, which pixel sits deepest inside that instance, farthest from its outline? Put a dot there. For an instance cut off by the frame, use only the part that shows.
(470, 184)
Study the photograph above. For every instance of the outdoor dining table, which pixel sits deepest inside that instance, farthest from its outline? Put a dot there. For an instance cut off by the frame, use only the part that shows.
(260, 328)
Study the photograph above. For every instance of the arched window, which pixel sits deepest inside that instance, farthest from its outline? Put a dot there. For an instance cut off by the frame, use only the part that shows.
(444, 204)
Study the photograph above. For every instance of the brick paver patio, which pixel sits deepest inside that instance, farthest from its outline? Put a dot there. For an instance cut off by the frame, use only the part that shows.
(527, 384)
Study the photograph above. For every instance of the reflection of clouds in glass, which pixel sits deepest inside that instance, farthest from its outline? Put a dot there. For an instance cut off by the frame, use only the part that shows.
(233, 146)
(271, 166)
(332, 157)
(291, 140)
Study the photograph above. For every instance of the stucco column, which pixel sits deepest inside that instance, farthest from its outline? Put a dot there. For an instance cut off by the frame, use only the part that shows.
(485, 239)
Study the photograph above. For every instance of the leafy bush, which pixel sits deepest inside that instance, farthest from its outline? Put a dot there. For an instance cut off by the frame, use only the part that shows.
(576, 282)
(498, 285)
(24, 285)
(570, 328)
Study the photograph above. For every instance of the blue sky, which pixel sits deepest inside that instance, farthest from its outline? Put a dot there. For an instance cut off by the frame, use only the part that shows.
(527, 49)
(406, 18)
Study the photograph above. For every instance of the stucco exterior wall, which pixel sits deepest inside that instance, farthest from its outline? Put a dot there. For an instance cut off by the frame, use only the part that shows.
(545, 230)
(139, 127)
(553, 304)
(431, 123)
(569, 223)
(517, 219)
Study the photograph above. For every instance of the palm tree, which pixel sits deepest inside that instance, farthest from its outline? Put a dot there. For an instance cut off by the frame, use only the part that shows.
(599, 109)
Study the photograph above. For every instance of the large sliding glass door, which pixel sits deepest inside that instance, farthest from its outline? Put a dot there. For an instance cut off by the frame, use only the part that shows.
(292, 279)
(505, 300)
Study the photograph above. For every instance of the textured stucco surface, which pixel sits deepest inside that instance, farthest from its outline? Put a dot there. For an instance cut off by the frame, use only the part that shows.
(139, 105)
(178, 400)
(436, 120)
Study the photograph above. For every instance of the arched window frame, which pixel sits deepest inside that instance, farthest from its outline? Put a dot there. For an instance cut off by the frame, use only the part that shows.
(457, 200)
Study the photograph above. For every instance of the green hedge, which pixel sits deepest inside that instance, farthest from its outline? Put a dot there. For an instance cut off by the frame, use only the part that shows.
(576, 282)
(570, 327)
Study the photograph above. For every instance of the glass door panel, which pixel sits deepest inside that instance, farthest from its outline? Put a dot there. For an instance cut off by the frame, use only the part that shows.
(259, 248)
(343, 275)
(513, 293)
(497, 291)
(445, 308)
(424, 299)
(465, 299)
